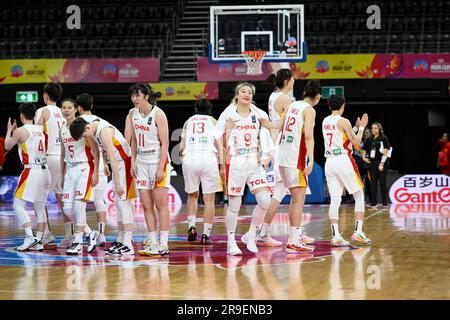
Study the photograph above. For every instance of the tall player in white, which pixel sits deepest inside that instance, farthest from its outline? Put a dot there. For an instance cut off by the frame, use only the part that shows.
(150, 165)
(279, 101)
(296, 158)
(199, 152)
(51, 120)
(246, 163)
(79, 169)
(85, 103)
(34, 182)
(341, 170)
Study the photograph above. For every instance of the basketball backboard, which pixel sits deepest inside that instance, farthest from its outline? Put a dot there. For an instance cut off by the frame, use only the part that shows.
(276, 29)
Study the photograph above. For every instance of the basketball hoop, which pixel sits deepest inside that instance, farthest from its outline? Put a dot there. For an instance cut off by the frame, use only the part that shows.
(254, 61)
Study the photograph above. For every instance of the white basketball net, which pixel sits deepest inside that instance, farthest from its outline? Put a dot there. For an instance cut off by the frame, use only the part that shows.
(254, 61)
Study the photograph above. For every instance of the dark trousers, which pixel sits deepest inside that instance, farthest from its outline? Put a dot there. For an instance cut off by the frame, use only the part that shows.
(378, 176)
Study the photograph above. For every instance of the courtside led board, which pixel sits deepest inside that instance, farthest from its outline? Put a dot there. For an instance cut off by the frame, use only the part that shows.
(276, 29)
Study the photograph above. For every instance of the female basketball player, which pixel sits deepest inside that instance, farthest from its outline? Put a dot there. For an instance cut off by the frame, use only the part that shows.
(246, 162)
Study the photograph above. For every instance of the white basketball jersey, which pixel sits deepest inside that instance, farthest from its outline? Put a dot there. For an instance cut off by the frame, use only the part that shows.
(292, 150)
(75, 150)
(146, 134)
(200, 135)
(336, 141)
(51, 128)
(121, 147)
(274, 115)
(89, 118)
(32, 151)
(244, 139)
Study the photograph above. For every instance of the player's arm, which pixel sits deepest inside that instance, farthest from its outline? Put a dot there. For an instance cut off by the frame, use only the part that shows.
(106, 135)
(130, 136)
(219, 145)
(346, 127)
(163, 134)
(183, 140)
(96, 155)
(62, 163)
(309, 120)
(42, 115)
(12, 135)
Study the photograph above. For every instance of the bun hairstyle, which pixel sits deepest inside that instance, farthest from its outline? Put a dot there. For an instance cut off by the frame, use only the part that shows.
(312, 89)
(238, 87)
(276, 80)
(143, 88)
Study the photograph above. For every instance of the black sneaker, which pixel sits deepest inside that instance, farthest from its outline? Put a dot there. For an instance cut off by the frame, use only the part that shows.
(113, 246)
(192, 234)
(122, 250)
(205, 240)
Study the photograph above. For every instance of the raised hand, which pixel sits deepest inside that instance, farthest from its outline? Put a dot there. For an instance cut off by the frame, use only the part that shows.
(364, 120)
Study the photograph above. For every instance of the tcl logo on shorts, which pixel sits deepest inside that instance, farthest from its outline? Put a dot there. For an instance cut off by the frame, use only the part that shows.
(257, 182)
(421, 189)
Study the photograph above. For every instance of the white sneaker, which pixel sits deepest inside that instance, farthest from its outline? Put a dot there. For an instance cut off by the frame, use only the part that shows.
(233, 249)
(122, 250)
(146, 242)
(37, 247)
(28, 242)
(268, 241)
(250, 241)
(66, 242)
(306, 239)
(163, 250)
(93, 236)
(338, 241)
(361, 237)
(150, 250)
(75, 248)
(101, 241)
(48, 238)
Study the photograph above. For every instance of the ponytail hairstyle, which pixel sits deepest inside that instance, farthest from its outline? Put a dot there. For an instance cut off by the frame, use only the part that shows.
(238, 87)
(143, 88)
(312, 89)
(276, 80)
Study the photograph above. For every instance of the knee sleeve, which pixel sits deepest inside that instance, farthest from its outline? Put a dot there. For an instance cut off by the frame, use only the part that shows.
(279, 192)
(234, 203)
(263, 199)
(68, 209)
(19, 208)
(79, 208)
(333, 212)
(99, 204)
(359, 200)
(39, 208)
(125, 211)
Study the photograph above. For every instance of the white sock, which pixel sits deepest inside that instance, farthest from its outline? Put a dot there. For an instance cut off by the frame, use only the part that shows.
(164, 238)
(28, 231)
(153, 236)
(78, 237)
(87, 229)
(230, 223)
(127, 235)
(101, 227)
(39, 235)
(47, 230)
(253, 230)
(265, 229)
(191, 220)
(358, 225)
(258, 215)
(335, 230)
(294, 234)
(207, 228)
(70, 229)
(120, 237)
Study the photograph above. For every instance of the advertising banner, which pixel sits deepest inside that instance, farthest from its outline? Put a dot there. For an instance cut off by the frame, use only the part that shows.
(338, 66)
(79, 70)
(424, 188)
(172, 91)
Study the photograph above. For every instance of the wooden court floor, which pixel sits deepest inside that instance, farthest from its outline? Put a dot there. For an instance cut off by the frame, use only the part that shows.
(409, 259)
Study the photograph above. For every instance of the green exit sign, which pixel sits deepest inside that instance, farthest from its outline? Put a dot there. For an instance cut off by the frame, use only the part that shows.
(26, 96)
(328, 91)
